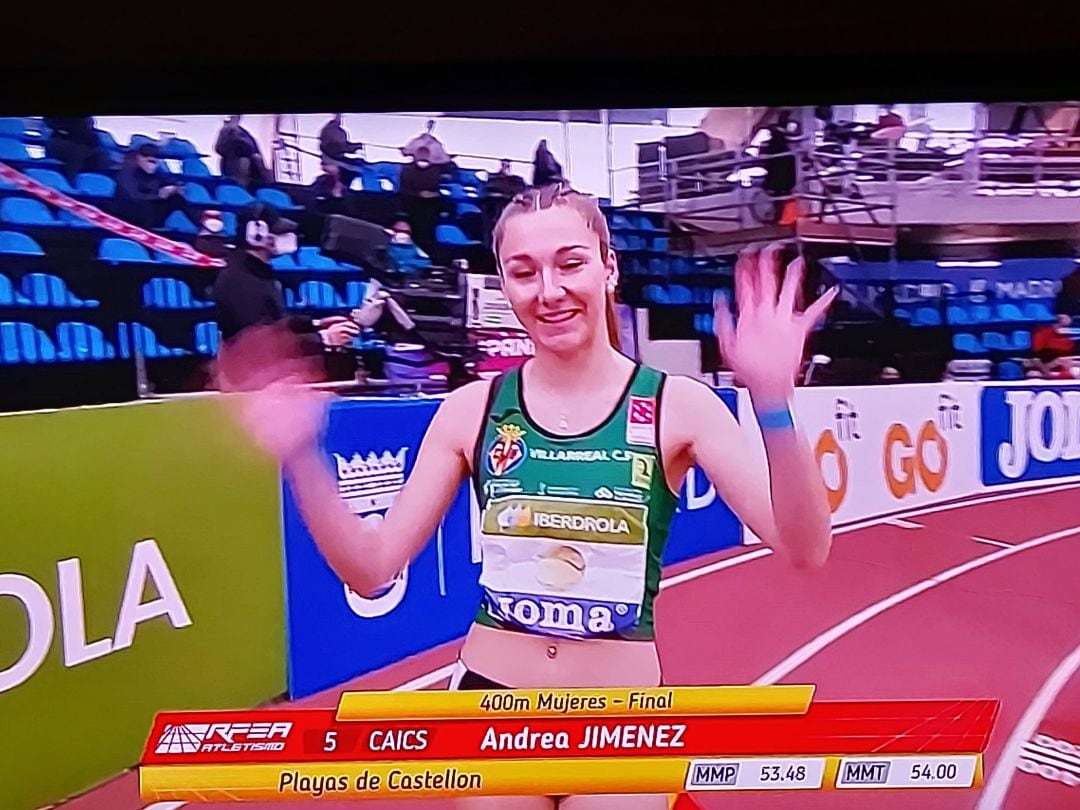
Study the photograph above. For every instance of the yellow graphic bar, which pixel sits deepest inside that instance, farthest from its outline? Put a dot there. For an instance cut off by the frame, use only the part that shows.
(536, 703)
(531, 777)
(295, 782)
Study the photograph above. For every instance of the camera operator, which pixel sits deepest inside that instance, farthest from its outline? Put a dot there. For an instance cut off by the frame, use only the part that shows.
(247, 294)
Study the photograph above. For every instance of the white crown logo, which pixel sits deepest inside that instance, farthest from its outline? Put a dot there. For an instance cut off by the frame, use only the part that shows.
(371, 482)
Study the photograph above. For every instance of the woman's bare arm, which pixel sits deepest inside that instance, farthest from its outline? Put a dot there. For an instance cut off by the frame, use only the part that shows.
(783, 501)
(366, 554)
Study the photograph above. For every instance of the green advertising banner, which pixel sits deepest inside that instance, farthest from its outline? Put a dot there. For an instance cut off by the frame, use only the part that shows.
(140, 570)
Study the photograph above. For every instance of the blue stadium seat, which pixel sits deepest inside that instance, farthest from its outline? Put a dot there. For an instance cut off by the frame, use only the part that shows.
(369, 179)
(284, 262)
(7, 292)
(1021, 340)
(452, 235)
(12, 150)
(13, 128)
(139, 140)
(26, 211)
(659, 243)
(178, 222)
(354, 293)
(167, 258)
(137, 337)
(19, 244)
(1009, 370)
(277, 198)
(902, 314)
(81, 341)
(170, 293)
(122, 250)
(469, 177)
(24, 343)
(654, 293)
(620, 242)
(645, 222)
(179, 149)
(108, 142)
(659, 266)
(228, 219)
(957, 316)
(233, 195)
(198, 195)
(318, 295)
(1009, 312)
(678, 294)
(310, 258)
(926, 316)
(46, 290)
(967, 343)
(70, 220)
(467, 209)
(207, 337)
(52, 179)
(981, 313)
(389, 175)
(95, 185)
(7, 186)
(194, 167)
(620, 222)
(995, 341)
(1038, 311)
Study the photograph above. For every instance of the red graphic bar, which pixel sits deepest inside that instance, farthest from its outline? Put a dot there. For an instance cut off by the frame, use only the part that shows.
(902, 727)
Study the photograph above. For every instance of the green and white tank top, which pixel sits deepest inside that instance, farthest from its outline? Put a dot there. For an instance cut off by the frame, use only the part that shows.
(572, 528)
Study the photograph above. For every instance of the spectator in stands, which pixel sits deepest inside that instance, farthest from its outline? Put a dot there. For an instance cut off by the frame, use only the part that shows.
(779, 159)
(500, 188)
(403, 252)
(74, 142)
(1054, 348)
(436, 152)
(889, 118)
(421, 181)
(241, 160)
(247, 294)
(546, 169)
(334, 142)
(145, 194)
(504, 183)
(330, 188)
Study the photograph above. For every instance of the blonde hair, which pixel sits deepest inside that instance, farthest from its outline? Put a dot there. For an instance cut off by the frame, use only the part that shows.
(540, 199)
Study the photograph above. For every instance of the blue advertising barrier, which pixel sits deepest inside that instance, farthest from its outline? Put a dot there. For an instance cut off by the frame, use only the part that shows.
(335, 635)
(1030, 433)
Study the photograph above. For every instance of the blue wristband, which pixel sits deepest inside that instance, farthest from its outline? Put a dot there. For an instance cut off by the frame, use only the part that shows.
(776, 420)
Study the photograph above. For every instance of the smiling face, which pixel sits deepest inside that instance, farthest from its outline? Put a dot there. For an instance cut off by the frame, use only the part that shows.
(556, 274)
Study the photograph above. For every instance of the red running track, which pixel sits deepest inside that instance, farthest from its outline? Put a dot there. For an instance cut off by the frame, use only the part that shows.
(909, 608)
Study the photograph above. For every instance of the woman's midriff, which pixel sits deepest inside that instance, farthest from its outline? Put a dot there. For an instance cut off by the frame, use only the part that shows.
(529, 661)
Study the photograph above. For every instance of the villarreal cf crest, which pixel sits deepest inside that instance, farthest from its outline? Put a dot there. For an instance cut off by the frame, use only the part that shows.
(507, 451)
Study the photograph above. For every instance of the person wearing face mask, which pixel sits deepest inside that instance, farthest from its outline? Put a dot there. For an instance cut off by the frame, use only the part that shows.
(145, 194)
(582, 416)
(247, 294)
(404, 254)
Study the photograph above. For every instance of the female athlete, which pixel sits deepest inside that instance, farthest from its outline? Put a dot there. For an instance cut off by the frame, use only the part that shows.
(577, 458)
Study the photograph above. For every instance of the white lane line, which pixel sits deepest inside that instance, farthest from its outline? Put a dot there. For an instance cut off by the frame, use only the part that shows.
(820, 642)
(730, 562)
(997, 786)
(903, 524)
(426, 680)
(999, 543)
(165, 806)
